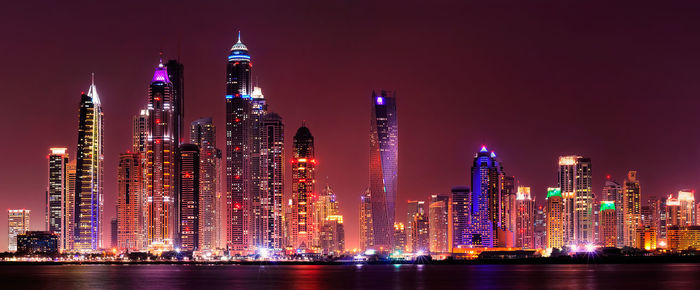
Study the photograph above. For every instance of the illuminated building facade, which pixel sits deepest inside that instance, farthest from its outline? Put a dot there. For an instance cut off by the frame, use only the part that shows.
(38, 242)
(421, 233)
(238, 147)
(413, 208)
(272, 181)
(324, 206)
(130, 203)
(461, 217)
(540, 227)
(366, 228)
(574, 179)
(525, 219)
(188, 197)
(17, 223)
(682, 238)
(612, 191)
(508, 195)
(608, 224)
(485, 199)
(203, 134)
(56, 194)
(89, 195)
(383, 166)
(631, 205)
(645, 238)
(160, 163)
(69, 206)
(303, 184)
(399, 237)
(438, 223)
(657, 206)
(333, 235)
(555, 218)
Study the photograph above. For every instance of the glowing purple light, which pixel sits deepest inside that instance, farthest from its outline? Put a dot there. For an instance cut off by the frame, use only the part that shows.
(161, 75)
(380, 101)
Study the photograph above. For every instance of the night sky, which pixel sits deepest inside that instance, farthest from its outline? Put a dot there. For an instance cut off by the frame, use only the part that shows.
(614, 82)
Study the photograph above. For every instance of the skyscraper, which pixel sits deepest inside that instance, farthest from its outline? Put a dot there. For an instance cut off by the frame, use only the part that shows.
(203, 134)
(17, 224)
(333, 235)
(631, 205)
(324, 206)
(461, 217)
(303, 194)
(56, 194)
(272, 162)
(399, 237)
(89, 195)
(485, 199)
(681, 210)
(612, 191)
(525, 219)
(555, 218)
(438, 222)
(383, 166)
(574, 179)
(161, 169)
(188, 197)
(366, 228)
(608, 224)
(540, 220)
(238, 147)
(413, 208)
(130, 203)
(421, 233)
(69, 206)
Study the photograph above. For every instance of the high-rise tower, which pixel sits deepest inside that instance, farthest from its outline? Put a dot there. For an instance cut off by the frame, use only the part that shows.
(130, 195)
(366, 228)
(574, 179)
(56, 194)
(272, 162)
(238, 147)
(555, 221)
(188, 197)
(485, 199)
(631, 205)
(89, 196)
(203, 134)
(303, 194)
(383, 166)
(161, 169)
(525, 219)
(612, 191)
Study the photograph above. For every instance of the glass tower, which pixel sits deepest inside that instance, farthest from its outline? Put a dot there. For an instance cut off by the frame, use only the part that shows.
(383, 166)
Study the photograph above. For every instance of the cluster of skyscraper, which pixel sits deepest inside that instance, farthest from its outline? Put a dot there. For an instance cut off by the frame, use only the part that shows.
(176, 192)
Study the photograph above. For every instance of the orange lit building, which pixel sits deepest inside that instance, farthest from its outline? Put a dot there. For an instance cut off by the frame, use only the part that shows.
(608, 224)
(646, 238)
(130, 203)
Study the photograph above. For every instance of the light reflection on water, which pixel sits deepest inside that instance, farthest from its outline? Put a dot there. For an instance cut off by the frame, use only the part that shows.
(678, 276)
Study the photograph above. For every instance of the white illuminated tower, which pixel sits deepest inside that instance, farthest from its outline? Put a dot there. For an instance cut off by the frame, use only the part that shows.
(89, 195)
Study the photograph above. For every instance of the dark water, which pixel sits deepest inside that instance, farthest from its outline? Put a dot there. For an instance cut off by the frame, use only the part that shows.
(205, 277)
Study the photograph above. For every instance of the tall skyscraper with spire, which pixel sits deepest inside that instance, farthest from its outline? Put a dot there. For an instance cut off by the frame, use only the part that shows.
(89, 196)
(161, 170)
(303, 188)
(383, 167)
(238, 147)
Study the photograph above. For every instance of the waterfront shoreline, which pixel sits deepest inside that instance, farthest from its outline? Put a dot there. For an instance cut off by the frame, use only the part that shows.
(527, 261)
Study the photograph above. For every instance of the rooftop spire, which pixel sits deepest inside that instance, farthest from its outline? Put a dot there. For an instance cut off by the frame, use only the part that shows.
(239, 45)
(239, 37)
(92, 91)
(161, 74)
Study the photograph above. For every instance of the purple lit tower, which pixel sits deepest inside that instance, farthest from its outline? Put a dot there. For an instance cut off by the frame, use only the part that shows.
(383, 167)
(161, 174)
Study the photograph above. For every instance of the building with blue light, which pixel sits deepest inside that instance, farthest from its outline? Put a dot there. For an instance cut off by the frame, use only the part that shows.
(485, 198)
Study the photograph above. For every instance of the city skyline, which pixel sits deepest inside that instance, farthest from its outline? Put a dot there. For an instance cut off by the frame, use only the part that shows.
(26, 185)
